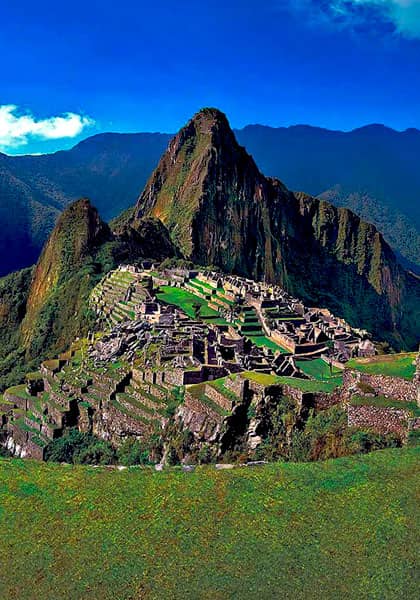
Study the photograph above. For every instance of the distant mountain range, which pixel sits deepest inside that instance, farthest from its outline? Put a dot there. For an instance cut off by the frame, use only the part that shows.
(372, 170)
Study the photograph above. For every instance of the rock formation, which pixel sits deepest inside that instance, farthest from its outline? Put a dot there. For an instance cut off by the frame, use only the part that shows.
(220, 210)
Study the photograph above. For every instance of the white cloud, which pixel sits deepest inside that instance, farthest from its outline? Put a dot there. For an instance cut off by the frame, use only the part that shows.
(398, 17)
(406, 16)
(16, 129)
(403, 14)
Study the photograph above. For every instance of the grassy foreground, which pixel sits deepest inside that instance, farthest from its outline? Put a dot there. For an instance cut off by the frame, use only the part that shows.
(342, 528)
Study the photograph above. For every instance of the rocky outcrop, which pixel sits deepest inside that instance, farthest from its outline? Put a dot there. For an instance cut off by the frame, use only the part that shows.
(78, 232)
(44, 309)
(220, 210)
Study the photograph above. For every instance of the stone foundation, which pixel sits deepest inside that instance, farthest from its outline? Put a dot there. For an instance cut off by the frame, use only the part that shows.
(382, 420)
(218, 398)
(381, 385)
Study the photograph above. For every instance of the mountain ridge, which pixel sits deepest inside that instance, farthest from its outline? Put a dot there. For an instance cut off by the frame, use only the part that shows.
(111, 169)
(220, 210)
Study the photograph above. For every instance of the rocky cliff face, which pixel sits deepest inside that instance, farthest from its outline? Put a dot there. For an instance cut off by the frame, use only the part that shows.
(220, 210)
(43, 309)
(62, 274)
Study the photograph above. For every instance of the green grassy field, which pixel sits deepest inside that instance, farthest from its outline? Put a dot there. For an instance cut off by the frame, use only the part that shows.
(394, 365)
(319, 370)
(185, 300)
(306, 385)
(262, 340)
(347, 528)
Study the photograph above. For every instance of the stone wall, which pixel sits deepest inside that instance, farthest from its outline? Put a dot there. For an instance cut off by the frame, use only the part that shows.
(301, 398)
(256, 388)
(283, 340)
(391, 387)
(200, 419)
(84, 420)
(174, 377)
(238, 386)
(382, 420)
(324, 400)
(112, 425)
(18, 401)
(218, 397)
(20, 444)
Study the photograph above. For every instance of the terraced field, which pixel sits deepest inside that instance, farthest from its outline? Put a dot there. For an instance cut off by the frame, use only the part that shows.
(346, 528)
(306, 385)
(320, 371)
(393, 365)
(262, 340)
(186, 301)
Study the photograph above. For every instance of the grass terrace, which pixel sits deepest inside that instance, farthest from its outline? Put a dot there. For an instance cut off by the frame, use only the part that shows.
(320, 370)
(185, 301)
(344, 528)
(305, 385)
(19, 391)
(219, 385)
(383, 402)
(392, 365)
(264, 341)
(203, 284)
(197, 391)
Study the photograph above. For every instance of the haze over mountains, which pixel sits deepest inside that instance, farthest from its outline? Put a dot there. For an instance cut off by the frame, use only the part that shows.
(372, 170)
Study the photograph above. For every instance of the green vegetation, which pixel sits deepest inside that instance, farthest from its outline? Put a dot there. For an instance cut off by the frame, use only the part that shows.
(328, 436)
(318, 369)
(14, 290)
(186, 302)
(262, 340)
(342, 528)
(133, 452)
(322, 436)
(383, 402)
(306, 385)
(392, 365)
(80, 448)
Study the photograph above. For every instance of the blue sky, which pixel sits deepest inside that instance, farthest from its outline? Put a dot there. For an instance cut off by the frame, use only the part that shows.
(70, 70)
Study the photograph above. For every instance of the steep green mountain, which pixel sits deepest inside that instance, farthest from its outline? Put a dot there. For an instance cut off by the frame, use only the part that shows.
(375, 164)
(43, 309)
(76, 251)
(398, 230)
(220, 210)
(14, 290)
(374, 167)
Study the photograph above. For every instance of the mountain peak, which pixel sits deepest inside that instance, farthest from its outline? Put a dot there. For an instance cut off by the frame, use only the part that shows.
(220, 210)
(197, 178)
(208, 127)
(78, 233)
(210, 116)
